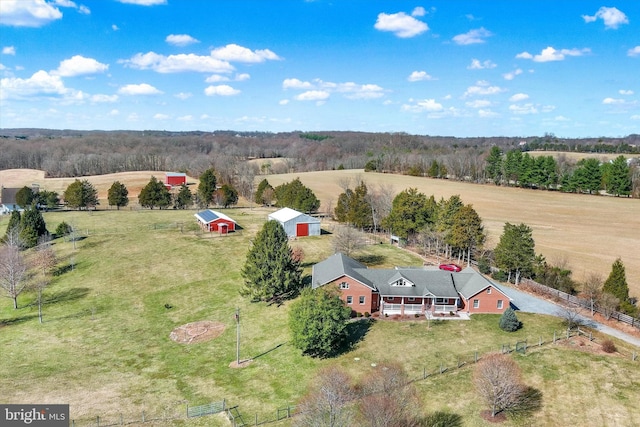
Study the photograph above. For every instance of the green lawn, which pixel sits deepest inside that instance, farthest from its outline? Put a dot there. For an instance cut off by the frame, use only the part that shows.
(104, 346)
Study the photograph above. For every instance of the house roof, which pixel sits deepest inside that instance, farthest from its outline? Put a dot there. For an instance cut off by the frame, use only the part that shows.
(470, 283)
(336, 266)
(209, 216)
(287, 214)
(8, 195)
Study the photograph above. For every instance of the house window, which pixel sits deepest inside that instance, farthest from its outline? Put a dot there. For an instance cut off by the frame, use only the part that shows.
(349, 299)
(488, 290)
(476, 303)
(390, 299)
(442, 300)
(361, 299)
(344, 285)
(411, 299)
(499, 304)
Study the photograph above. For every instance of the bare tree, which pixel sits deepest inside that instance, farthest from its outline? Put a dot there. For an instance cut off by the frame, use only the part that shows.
(13, 267)
(329, 403)
(497, 379)
(592, 289)
(347, 240)
(388, 398)
(571, 316)
(608, 304)
(45, 260)
(380, 199)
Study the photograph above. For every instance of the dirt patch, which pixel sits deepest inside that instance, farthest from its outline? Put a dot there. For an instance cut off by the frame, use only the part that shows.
(582, 343)
(499, 417)
(197, 332)
(242, 364)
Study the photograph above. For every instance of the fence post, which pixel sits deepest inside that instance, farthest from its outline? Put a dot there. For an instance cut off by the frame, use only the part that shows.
(554, 337)
(568, 333)
(475, 357)
(121, 420)
(539, 341)
(143, 416)
(440, 367)
(256, 422)
(424, 373)
(98, 420)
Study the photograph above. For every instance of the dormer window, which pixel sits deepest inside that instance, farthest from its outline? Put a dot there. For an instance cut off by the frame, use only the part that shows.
(402, 282)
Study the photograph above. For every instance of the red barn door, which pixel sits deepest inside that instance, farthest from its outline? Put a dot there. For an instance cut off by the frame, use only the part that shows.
(302, 229)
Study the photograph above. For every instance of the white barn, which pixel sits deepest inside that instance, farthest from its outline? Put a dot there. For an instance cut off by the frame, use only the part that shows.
(296, 224)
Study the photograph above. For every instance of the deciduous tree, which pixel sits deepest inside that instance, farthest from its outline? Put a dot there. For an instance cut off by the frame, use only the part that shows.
(318, 322)
(270, 272)
(45, 260)
(329, 403)
(13, 266)
(498, 381)
(347, 240)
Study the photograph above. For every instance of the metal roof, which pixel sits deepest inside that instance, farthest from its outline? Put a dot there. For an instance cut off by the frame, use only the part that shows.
(210, 215)
(287, 214)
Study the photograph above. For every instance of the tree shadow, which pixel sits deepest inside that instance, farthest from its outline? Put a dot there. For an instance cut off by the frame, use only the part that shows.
(306, 280)
(371, 259)
(356, 331)
(16, 320)
(268, 351)
(67, 295)
(530, 401)
(442, 419)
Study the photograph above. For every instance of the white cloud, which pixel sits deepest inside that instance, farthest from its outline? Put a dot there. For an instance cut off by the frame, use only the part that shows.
(283, 102)
(424, 105)
(28, 13)
(183, 95)
(400, 24)
(99, 99)
(634, 51)
(611, 16)
(550, 54)
(477, 65)
(84, 10)
(625, 92)
(9, 50)
(419, 11)
(140, 89)
(519, 97)
(473, 36)
(242, 77)
(482, 88)
(296, 84)
(221, 90)
(635, 117)
(417, 76)
(144, 2)
(487, 114)
(612, 101)
(217, 78)
(40, 83)
(236, 53)
(478, 103)
(523, 109)
(79, 65)
(181, 39)
(114, 27)
(186, 118)
(313, 95)
(160, 116)
(560, 119)
(357, 91)
(178, 63)
(512, 75)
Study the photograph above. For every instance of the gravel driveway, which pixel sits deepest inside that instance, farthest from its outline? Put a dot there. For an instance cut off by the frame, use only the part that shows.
(532, 304)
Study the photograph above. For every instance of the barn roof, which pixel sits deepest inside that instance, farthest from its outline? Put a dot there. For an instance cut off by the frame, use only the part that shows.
(175, 174)
(287, 214)
(209, 215)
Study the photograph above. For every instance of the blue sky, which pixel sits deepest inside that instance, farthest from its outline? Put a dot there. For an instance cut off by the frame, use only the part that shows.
(449, 67)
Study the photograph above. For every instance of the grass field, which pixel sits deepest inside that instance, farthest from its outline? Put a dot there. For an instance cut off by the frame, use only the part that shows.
(104, 346)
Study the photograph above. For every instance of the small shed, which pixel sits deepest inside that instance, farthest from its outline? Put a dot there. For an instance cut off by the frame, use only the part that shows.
(296, 224)
(210, 220)
(173, 179)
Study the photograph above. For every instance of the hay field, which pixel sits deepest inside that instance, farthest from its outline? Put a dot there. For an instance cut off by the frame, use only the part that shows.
(589, 232)
(576, 156)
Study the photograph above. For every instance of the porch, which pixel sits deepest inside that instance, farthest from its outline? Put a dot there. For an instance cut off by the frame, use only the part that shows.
(411, 309)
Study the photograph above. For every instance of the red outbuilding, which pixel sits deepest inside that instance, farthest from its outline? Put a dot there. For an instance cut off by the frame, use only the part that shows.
(173, 179)
(213, 221)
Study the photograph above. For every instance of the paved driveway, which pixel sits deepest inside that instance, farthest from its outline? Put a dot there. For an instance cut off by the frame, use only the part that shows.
(532, 304)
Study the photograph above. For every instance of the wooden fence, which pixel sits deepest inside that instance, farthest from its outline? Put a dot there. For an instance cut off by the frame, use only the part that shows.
(579, 302)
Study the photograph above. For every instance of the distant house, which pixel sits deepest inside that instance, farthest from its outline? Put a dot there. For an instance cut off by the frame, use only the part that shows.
(213, 221)
(408, 290)
(8, 201)
(296, 224)
(173, 179)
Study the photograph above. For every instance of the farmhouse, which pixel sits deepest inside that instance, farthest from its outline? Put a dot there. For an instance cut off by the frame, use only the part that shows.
(8, 201)
(172, 179)
(210, 220)
(408, 290)
(296, 224)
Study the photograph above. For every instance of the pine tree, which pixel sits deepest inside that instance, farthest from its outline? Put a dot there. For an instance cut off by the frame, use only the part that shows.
(411, 212)
(270, 272)
(296, 195)
(206, 187)
(616, 283)
(467, 232)
(617, 180)
(509, 321)
(494, 165)
(154, 194)
(14, 224)
(118, 195)
(184, 198)
(32, 226)
(515, 253)
(318, 322)
(81, 195)
(262, 187)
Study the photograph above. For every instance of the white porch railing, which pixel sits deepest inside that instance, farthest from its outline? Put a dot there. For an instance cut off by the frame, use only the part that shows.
(445, 308)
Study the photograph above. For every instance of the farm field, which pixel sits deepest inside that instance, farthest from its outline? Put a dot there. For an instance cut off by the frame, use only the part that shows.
(135, 275)
(588, 232)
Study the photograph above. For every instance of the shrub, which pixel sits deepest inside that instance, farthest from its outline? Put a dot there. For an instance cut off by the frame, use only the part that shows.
(367, 314)
(359, 314)
(484, 266)
(63, 229)
(500, 276)
(608, 346)
(416, 315)
(509, 321)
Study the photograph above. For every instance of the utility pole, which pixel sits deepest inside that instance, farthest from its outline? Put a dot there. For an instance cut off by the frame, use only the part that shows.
(238, 336)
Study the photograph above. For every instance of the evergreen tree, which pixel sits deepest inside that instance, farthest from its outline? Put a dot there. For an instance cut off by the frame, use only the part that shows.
(318, 322)
(32, 226)
(81, 195)
(616, 283)
(617, 179)
(47, 199)
(494, 165)
(587, 176)
(206, 187)
(411, 211)
(271, 273)
(118, 195)
(515, 253)
(25, 197)
(259, 196)
(154, 194)
(511, 167)
(467, 232)
(184, 198)
(14, 224)
(353, 207)
(296, 195)
(509, 321)
(228, 196)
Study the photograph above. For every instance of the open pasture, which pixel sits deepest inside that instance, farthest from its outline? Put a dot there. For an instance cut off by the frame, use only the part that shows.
(135, 276)
(588, 232)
